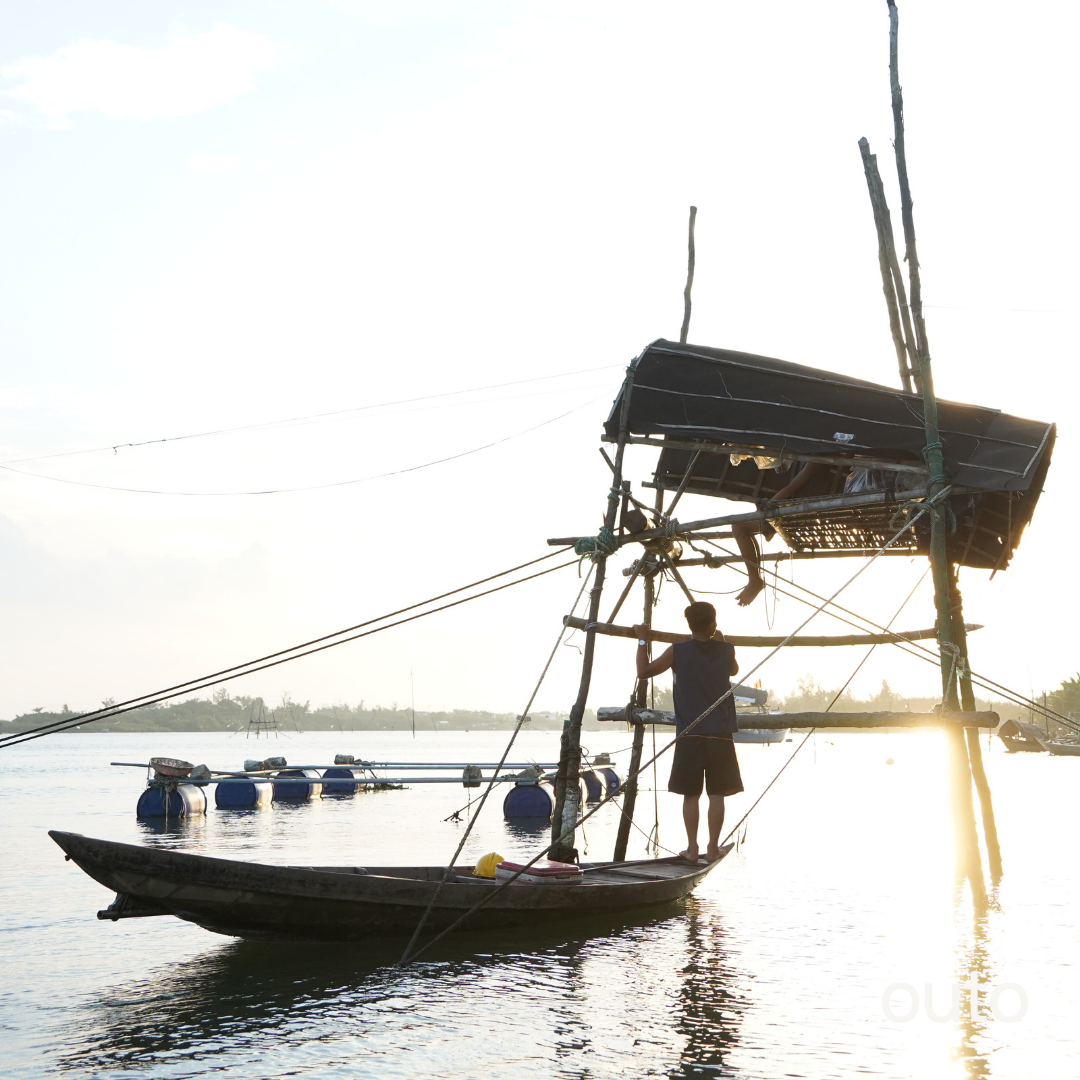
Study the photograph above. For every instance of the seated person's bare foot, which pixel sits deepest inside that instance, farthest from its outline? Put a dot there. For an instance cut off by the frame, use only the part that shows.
(749, 594)
(690, 854)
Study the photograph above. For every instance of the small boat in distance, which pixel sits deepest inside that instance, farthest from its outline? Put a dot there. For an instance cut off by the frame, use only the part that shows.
(341, 903)
(1061, 749)
(1020, 737)
(760, 735)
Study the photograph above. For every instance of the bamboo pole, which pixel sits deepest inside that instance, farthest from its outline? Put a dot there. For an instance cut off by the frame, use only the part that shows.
(974, 750)
(764, 641)
(888, 283)
(814, 506)
(963, 806)
(567, 785)
(831, 720)
(690, 260)
(631, 788)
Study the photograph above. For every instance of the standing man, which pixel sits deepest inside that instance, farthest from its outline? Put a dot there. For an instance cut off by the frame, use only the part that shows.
(705, 751)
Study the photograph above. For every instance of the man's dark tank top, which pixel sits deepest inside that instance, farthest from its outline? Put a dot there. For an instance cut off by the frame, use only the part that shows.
(702, 676)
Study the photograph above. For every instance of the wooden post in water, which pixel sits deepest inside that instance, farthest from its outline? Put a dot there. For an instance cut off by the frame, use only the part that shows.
(630, 789)
(974, 750)
(567, 781)
(963, 806)
(690, 259)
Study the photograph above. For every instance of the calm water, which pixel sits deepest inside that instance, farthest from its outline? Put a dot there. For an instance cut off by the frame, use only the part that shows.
(777, 966)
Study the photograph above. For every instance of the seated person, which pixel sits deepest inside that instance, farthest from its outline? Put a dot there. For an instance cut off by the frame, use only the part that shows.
(746, 531)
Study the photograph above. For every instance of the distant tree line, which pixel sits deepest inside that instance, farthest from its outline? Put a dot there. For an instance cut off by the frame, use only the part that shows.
(225, 713)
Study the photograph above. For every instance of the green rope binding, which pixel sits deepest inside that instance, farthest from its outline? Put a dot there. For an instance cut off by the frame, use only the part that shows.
(591, 546)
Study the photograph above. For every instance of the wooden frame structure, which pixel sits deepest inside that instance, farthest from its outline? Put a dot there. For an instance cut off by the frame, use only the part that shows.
(734, 425)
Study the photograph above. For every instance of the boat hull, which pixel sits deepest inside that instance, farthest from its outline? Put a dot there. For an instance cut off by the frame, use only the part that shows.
(760, 735)
(257, 900)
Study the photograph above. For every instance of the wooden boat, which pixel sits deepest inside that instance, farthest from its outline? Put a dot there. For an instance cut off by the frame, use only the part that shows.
(1020, 737)
(257, 900)
(759, 735)
(1062, 749)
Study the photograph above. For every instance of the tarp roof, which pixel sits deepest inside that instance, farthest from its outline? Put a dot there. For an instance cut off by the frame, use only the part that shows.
(727, 397)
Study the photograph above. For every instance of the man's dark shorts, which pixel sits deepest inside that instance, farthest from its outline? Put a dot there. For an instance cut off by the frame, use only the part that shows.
(705, 760)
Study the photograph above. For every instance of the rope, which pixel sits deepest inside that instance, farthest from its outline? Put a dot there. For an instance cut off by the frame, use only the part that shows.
(306, 487)
(297, 650)
(602, 544)
(492, 893)
(491, 782)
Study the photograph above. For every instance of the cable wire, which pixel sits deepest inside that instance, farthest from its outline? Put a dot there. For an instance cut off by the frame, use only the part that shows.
(267, 424)
(307, 487)
(269, 661)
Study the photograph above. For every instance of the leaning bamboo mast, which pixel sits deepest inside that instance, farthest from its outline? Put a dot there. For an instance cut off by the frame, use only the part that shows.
(946, 595)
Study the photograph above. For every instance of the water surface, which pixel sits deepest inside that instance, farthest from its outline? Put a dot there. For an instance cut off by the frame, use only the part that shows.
(777, 966)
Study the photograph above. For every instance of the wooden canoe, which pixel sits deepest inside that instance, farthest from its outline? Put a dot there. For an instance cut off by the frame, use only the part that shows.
(257, 900)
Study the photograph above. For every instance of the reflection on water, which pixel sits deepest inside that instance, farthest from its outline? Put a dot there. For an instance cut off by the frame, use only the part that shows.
(541, 996)
(709, 1005)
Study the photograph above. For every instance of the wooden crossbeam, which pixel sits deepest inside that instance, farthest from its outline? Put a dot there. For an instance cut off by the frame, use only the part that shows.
(832, 721)
(768, 641)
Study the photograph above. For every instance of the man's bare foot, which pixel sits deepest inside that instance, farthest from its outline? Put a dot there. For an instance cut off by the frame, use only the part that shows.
(712, 853)
(748, 595)
(690, 854)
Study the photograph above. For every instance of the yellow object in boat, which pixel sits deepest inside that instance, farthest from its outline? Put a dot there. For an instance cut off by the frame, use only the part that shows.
(485, 867)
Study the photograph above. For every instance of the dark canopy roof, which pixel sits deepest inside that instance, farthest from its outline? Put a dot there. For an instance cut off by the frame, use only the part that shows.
(725, 397)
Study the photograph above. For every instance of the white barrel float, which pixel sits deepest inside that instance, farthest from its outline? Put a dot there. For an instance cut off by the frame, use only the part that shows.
(296, 792)
(240, 794)
(181, 801)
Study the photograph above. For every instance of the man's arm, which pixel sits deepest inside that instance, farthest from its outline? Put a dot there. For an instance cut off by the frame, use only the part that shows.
(662, 663)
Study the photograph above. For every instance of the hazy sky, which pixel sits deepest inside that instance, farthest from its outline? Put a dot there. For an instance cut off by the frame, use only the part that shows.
(236, 213)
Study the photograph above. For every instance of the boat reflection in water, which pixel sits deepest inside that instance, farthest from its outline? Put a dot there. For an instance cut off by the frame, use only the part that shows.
(587, 1001)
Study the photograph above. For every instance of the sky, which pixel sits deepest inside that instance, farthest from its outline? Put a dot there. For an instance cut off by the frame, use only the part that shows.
(451, 225)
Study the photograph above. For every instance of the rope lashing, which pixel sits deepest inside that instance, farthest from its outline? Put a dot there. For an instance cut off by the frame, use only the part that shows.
(955, 661)
(937, 476)
(604, 543)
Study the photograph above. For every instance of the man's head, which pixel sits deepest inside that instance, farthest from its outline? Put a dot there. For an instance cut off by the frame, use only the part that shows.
(701, 618)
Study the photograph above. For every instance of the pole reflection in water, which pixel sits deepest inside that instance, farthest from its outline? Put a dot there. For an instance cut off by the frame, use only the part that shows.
(709, 1005)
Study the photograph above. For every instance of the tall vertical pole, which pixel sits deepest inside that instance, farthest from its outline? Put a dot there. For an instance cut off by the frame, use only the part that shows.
(892, 282)
(974, 750)
(690, 259)
(963, 807)
(568, 778)
(641, 701)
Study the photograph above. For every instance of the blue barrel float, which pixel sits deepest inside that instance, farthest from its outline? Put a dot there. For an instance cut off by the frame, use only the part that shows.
(243, 794)
(527, 799)
(339, 773)
(297, 792)
(532, 799)
(182, 801)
